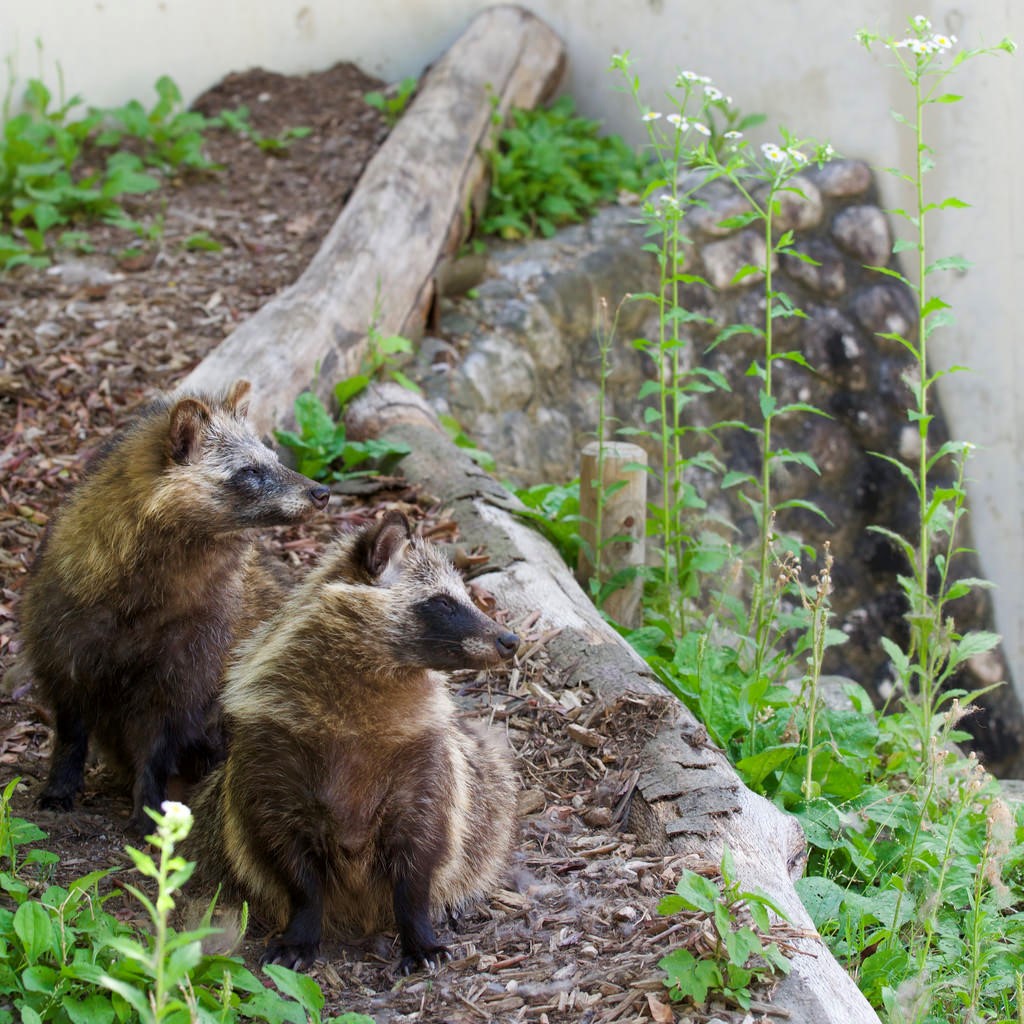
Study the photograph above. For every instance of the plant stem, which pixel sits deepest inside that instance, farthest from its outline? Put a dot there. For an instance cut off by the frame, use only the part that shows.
(917, 625)
(758, 614)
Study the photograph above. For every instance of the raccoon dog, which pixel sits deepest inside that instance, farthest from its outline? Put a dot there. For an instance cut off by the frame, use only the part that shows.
(352, 794)
(143, 582)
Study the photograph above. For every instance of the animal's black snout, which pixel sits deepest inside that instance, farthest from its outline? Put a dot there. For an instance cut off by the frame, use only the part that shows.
(320, 495)
(507, 644)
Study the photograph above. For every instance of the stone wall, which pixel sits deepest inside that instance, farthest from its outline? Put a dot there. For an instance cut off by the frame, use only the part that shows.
(516, 360)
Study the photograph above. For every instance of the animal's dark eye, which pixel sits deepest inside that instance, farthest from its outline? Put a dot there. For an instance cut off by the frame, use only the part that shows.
(248, 476)
(444, 603)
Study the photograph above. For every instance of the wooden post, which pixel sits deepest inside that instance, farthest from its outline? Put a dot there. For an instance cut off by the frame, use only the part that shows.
(620, 474)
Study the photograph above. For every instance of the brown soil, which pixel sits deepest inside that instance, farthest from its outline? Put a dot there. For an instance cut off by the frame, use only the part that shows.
(575, 935)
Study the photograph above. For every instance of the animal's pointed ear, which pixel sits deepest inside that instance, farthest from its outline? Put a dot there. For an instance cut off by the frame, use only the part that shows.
(189, 419)
(234, 398)
(385, 544)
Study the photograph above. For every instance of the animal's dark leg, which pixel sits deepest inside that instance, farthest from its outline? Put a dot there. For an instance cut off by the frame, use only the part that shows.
(420, 944)
(67, 762)
(202, 755)
(299, 945)
(150, 789)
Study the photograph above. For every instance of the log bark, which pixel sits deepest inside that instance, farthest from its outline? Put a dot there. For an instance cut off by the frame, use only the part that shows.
(409, 212)
(688, 797)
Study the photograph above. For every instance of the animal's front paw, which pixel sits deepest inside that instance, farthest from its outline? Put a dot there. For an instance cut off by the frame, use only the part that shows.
(140, 825)
(428, 956)
(55, 800)
(298, 956)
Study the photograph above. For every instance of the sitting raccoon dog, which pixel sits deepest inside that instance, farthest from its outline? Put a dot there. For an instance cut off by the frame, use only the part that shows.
(352, 795)
(145, 580)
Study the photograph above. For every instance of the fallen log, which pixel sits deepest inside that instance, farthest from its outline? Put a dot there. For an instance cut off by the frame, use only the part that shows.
(409, 212)
(688, 798)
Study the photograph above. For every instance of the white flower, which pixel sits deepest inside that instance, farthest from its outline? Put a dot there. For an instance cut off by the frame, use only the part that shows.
(942, 43)
(177, 820)
(712, 93)
(918, 46)
(796, 156)
(678, 121)
(702, 128)
(667, 199)
(773, 153)
(921, 22)
(704, 79)
(651, 115)
(733, 135)
(687, 76)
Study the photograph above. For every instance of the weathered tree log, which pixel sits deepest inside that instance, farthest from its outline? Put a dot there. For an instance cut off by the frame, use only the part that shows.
(688, 796)
(408, 213)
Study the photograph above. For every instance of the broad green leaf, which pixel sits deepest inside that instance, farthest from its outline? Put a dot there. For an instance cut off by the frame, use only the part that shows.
(33, 927)
(898, 657)
(93, 1009)
(303, 989)
(758, 767)
(696, 892)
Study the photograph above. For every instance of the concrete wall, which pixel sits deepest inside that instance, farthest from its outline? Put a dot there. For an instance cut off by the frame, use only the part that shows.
(795, 60)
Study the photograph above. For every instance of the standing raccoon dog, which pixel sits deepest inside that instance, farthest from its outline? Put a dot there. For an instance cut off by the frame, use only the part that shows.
(352, 794)
(142, 584)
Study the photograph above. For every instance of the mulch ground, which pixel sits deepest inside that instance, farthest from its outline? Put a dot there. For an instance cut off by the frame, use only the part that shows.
(574, 936)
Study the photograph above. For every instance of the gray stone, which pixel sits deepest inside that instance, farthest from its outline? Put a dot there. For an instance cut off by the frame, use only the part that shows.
(826, 275)
(840, 179)
(725, 259)
(497, 374)
(832, 345)
(863, 231)
(800, 207)
(719, 202)
(886, 309)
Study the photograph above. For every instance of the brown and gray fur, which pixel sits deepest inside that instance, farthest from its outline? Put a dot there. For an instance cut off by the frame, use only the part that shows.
(353, 798)
(142, 584)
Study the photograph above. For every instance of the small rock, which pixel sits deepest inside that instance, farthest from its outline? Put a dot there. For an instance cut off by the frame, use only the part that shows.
(841, 178)
(826, 275)
(863, 231)
(800, 205)
(724, 260)
(720, 203)
(885, 308)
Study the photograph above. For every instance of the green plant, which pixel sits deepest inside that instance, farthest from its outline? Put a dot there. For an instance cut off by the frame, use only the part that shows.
(202, 241)
(238, 121)
(65, 958)
(62, 166)
(915, 866)
(383, 360)
(169, 135)
(323, 450)
(393, 100)
(549, 167)
(462, 440)
(735, 953)
(555, 509)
